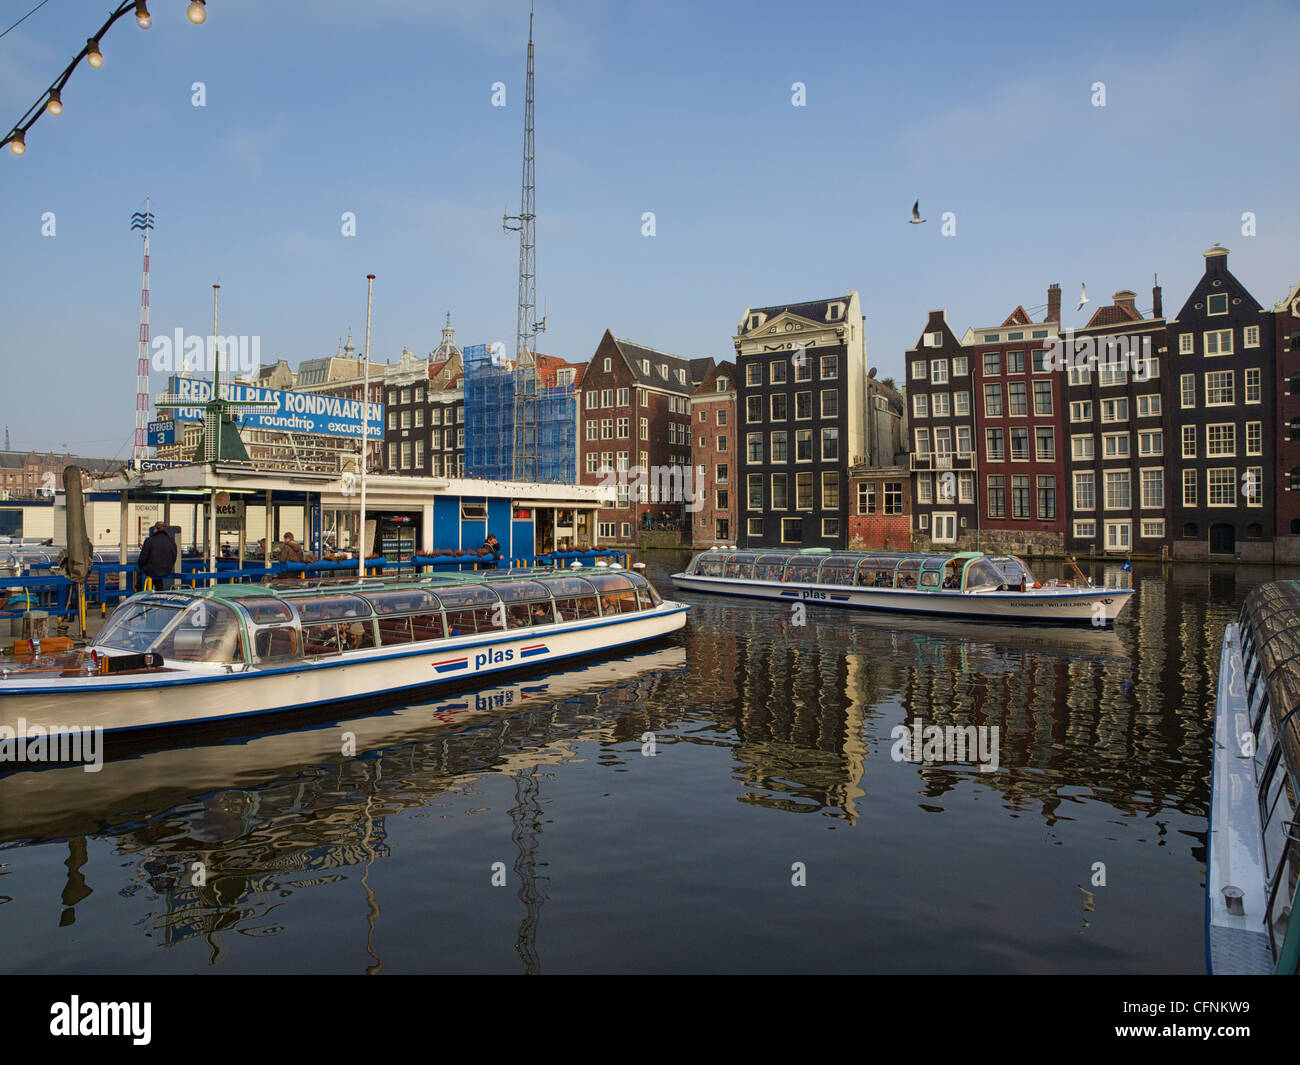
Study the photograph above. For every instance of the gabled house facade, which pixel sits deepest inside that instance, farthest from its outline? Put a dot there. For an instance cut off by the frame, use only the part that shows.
(802, 407)
(1221, 359)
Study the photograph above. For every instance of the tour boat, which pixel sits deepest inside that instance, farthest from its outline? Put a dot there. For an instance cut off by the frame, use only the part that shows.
(186, 657)
(1252, 881)
(965, 584)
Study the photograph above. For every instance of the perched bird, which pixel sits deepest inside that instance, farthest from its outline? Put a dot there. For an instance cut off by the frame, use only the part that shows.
(1083, 296)
(916, 214)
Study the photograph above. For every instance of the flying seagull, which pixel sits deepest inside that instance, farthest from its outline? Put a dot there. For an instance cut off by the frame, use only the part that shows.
(916, 214)
(1083, 297)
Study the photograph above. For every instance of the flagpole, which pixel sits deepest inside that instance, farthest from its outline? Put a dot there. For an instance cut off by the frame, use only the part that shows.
(365, 422)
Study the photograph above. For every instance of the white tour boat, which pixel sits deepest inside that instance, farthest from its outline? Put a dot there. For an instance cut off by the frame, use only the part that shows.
(190, 657)
(965, 584)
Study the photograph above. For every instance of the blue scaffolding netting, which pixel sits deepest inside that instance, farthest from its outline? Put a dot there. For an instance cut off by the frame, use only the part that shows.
(491, 385)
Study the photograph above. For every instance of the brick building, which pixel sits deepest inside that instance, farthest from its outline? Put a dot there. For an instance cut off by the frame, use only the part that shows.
(1116, 423)
(1286, 329)
(1017, 404)
(634, 415)
(802, 368)
(713, 455)
(1221, 354)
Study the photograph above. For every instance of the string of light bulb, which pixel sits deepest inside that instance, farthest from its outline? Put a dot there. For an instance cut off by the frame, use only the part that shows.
(51, 100)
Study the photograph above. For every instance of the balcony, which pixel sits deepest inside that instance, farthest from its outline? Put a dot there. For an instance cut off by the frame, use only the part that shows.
(946, 461)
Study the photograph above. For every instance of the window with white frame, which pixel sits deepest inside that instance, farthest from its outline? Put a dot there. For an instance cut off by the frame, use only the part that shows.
(1254, 438)
(1221, 486)
(1045, 443)
(992, 364)
(1119, 535)
(993, 400)
(1085, 530)
(1218, 342)
(830, 367)
(754, 374)
(1085, 490)
(1043, 398)
(1186, 343)
(1219, 389)
(1119, 490)
(960, 366)
(918, 369)
(1153, 528)
(754, 526)
(1189, 488)
(1252, 385)
(939, 371)
(924, 488)
(1189, 441)
(920, 405)
(1151, 442)
(1187, 390)
(1221, 440)
(966, 487)
(754, 447)
(922, 443)
(1217, 303)
(1252, 486)
(1115, 445)
(964, 440)
(961, 402)
(1250, 336)
(1082, 447)
(1153, 488)
(1114, 410)
(1081, 410)
(1078, 375)
(1149, 406)
(866, 498)
(942, 407)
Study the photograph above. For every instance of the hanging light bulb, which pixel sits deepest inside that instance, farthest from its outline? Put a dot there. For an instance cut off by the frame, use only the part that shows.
(55, 104)
(18, 145)
(93, 55)
(142, 15)
(197, 11)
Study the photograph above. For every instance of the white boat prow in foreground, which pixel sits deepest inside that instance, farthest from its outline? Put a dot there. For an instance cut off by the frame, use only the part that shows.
(965, 584)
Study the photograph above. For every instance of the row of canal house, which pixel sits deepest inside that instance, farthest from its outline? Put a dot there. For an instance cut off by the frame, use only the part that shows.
(1135, 435)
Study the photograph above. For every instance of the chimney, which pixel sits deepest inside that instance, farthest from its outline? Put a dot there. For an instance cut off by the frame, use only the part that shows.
(1216, 259)
(1053, 303)
(1157, 303)
(1127, 299)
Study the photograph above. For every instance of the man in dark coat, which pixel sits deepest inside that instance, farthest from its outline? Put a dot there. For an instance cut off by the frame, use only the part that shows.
(158, 556)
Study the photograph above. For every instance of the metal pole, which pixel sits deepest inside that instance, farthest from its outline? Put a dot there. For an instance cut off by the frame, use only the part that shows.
(216, 439)
(365, 423)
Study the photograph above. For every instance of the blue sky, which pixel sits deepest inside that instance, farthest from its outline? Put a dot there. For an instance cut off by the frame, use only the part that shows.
(383, 108)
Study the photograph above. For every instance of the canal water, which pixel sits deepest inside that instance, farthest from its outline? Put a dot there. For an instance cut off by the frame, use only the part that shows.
(735, 799)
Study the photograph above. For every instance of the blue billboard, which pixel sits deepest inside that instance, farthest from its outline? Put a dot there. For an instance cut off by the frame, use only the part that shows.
(292, 412)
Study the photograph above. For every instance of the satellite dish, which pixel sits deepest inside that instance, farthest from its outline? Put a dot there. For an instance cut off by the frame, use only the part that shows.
(872, 373)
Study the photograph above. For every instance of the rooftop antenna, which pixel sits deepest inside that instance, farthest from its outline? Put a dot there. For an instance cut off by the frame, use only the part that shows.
(526, 325)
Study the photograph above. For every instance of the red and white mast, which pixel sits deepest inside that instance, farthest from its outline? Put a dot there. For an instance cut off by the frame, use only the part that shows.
(140, 450)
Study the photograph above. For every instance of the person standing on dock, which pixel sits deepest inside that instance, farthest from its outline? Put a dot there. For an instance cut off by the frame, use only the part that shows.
(158, 556)
(292, 550)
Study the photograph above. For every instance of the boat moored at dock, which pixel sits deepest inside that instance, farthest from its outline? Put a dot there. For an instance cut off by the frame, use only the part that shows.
(1252, 881)
(965, 584)
(193, 656)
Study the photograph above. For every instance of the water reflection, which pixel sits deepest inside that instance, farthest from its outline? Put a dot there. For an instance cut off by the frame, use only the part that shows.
(756, 718)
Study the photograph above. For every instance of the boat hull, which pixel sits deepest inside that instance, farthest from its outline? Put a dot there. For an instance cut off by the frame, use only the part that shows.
(1040, 605)
(160, 700)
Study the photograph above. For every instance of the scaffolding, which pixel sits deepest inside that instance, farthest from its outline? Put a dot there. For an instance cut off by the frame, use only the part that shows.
(491, 392)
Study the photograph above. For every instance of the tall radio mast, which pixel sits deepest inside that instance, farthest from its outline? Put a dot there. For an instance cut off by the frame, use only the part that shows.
(140, 448)
(527, 326)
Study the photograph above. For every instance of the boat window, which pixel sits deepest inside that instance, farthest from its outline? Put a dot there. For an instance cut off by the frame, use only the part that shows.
(567, 586)
(266, 611)
(322, 639)
(275, 643)
(394, 629)
(802, 568)
(135, 626)
(929, 578)
(739, 567)
(708, 564)
(645, 592)
(403, 601)
(617, 595)
(1012, 570)
(207, 632)
(769, 567)
(982, 575)
(330, 608)
(907, 573)
(837, 570)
